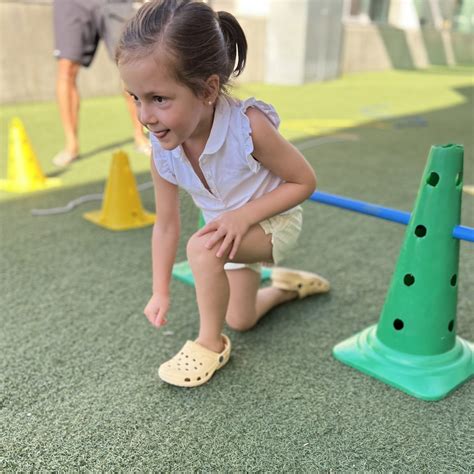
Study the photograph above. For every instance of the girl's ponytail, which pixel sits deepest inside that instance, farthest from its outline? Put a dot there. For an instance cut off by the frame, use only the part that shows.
(235, 40)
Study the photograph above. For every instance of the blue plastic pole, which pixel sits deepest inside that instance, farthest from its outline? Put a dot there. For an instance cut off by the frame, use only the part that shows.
(462, 232)
(394, 215)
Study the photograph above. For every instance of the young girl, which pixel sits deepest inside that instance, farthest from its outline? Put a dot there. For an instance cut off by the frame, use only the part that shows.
(176, 58)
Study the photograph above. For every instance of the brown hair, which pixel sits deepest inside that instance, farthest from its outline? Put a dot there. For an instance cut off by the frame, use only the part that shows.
(199, 41)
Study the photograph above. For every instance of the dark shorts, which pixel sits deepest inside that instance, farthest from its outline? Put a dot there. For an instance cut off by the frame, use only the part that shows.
(80, 24)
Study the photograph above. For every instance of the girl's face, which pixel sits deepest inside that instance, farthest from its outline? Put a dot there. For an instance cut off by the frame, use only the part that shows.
(168, 109)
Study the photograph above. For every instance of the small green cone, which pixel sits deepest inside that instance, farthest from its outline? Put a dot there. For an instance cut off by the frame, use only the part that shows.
(414, 346)
(182, 270)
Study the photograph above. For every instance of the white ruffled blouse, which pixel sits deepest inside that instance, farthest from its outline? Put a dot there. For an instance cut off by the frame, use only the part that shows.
(232, 173)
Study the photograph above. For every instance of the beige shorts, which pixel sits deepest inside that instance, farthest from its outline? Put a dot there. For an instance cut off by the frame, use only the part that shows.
(285, 230)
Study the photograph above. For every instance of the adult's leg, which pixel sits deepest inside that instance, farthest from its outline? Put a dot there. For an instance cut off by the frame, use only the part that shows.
(68, 102)
(109, 19)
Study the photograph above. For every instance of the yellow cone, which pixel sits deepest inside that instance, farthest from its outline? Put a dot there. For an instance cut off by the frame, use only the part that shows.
(121, 208)
(23, 172)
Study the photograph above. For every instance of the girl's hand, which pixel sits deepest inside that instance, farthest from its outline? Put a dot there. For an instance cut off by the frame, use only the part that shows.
(156, 310)
(229, 227)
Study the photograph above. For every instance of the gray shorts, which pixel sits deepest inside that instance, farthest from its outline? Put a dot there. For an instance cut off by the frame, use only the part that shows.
(80, 24)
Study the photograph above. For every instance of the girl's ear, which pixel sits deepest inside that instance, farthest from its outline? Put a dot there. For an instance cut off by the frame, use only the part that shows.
(212, 89)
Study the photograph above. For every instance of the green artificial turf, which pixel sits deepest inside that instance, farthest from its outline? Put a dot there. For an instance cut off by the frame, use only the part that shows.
(78, 360)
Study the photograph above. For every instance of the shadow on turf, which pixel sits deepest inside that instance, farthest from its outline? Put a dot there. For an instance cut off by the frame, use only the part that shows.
(90, 154)
(465, 70)
(417, 120)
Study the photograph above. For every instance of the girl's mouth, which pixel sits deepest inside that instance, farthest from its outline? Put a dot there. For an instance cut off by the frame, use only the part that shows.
(160, 135)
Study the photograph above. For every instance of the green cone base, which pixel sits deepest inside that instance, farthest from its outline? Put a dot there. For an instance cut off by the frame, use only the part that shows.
(182, 272)
(424, 377)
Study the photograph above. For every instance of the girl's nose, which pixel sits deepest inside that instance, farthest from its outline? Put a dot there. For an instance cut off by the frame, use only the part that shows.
(146, 115)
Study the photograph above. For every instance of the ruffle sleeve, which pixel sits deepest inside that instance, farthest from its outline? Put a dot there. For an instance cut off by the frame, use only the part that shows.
(270, 112)
(162, 160)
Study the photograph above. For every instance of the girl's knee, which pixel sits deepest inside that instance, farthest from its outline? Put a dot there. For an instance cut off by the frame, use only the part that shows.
(199, 256)
(238, 323)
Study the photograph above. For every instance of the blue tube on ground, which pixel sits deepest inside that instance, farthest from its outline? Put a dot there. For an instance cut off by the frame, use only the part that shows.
(393, 215)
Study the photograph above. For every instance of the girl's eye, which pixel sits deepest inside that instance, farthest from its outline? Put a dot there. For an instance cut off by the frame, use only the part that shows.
(134, 97)
(159, 99)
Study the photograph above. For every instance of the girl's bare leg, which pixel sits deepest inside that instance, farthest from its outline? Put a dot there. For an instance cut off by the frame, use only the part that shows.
(247, 302)
(234, 295)
(212, 292)
(211, 282)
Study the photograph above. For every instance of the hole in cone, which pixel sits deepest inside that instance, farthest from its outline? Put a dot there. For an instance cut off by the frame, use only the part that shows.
(454, 279)
(398, 324)
(420, 231)
(408, 279)
(433, 179)
(451, 325)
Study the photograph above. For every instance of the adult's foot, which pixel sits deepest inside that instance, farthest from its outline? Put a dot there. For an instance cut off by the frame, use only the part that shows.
(64, 158)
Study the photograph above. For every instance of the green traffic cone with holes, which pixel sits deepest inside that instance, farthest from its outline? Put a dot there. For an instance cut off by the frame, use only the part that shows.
(414, 347)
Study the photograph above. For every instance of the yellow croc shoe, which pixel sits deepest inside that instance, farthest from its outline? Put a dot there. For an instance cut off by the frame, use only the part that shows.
(194, 365)
(305, 283)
